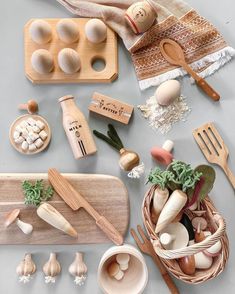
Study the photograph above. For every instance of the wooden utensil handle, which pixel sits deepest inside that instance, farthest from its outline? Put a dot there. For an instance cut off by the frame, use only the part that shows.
(229, 174)
(111, 232)
(208, 89)
(167, 278)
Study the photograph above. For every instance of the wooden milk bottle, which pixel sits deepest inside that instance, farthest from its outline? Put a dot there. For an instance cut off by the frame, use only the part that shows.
(76, 128)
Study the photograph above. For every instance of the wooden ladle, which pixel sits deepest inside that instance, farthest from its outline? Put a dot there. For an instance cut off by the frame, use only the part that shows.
(174, 54)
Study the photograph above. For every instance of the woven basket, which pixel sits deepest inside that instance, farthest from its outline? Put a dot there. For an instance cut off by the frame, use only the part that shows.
(217, 226)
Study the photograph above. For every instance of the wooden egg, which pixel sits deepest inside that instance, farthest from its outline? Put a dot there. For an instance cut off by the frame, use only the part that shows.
(67, 31)
(42, 61)
(140, 16)
(187, 264)
(40, 31)
(96, 30)
(202, 261)
(69, 61)
(167, 92)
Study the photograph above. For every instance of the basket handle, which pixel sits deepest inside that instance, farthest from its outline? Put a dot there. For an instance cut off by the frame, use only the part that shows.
(195, 248)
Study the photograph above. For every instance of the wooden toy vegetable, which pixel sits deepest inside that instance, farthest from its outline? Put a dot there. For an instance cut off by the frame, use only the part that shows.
(159, 199)
(163, 155)
(26, 268)
(31, 106)
(52, 216)
(78, 269)
(123, 260)
(203, 261)
(115, 272)
(13, 217)
(128, 159)
(187, 264)
(172, 207)
(51, 269)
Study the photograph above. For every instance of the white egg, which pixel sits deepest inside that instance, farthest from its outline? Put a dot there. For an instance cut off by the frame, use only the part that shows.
(96, 30)
(69, 61)
(40, 31)
(167, 92)
(202, 261)
(67, 31)
(42, 61)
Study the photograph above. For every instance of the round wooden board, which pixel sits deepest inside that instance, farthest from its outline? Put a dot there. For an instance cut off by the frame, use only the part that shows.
(18, 121)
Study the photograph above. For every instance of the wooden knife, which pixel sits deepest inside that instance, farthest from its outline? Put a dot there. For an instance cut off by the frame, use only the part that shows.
(75, 200)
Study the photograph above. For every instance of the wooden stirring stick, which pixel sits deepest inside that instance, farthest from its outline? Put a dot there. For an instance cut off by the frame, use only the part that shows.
(174, 54)
(147, 248)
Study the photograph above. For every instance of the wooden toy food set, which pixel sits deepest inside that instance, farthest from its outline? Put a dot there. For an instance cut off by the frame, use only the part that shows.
(59, 51)
(186, 231)
(113, 204)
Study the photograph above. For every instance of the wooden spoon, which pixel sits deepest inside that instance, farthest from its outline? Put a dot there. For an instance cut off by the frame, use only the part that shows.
(174, 54)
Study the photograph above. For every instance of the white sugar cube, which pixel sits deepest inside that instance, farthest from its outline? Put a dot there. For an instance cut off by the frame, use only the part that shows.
(29, 128)
(24, 146)
(36, 129)
(25, 133)
(19, 140)
(32, 147)
(19, 129)
(16, 135)
(39, 143)
(40, 124)
(43, 135)
(29, 140)
(31, 121)
(23, 124)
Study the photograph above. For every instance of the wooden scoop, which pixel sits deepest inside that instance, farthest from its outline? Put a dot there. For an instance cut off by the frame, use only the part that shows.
(174, 54)
(213, 148)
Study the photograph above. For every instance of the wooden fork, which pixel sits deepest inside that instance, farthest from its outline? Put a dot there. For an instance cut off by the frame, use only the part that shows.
(147, 248)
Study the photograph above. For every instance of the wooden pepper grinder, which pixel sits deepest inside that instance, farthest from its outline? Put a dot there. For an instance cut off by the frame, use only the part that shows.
(76, 128)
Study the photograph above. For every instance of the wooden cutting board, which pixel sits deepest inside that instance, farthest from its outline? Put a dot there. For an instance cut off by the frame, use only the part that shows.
(107, 194)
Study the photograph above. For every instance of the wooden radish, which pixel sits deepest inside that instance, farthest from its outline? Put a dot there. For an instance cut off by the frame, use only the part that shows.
(213, 147)
(159, 200)
(174, 54)
(75, 200)
(51, 269)
(172, 207)
(76, 128)
(52, 216)
(31, 106)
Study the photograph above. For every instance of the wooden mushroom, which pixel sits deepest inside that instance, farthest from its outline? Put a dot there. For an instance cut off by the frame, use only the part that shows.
(163, 154)
(13, 217)
(115, 272)
(78, 269)
(187, 264)
(51, 269)
(26, 269)
(171, 209)
(31, 106)
(53, 217)
(123, 260)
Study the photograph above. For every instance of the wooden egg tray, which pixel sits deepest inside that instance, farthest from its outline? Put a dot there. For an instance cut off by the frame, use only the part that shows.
(88, 52)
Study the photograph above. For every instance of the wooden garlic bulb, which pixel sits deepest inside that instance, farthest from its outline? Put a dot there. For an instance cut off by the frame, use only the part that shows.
(40, 31)
(26, 269)
(128, 159)
(42, 61)
(96, 30)
(69, 61)
(78, 269)
(67, 31)
(51, 269)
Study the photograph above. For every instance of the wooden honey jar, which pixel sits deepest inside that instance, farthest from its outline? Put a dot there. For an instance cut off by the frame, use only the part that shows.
(76, 128)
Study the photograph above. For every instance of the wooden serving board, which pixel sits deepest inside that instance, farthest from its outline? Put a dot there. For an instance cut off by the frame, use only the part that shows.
(107, 194)
(88, 52)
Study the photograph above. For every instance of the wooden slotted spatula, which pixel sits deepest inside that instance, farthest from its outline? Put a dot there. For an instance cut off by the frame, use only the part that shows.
(174, 54)
(213, 147)
(147, 248)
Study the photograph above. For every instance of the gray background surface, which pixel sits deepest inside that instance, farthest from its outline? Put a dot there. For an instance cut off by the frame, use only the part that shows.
(15, 88)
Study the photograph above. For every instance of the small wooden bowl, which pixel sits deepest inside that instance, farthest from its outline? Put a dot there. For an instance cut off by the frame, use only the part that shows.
(135, 278)
(18, 121)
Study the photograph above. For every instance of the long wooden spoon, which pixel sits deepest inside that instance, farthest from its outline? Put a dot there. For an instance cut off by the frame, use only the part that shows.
(174, 54)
